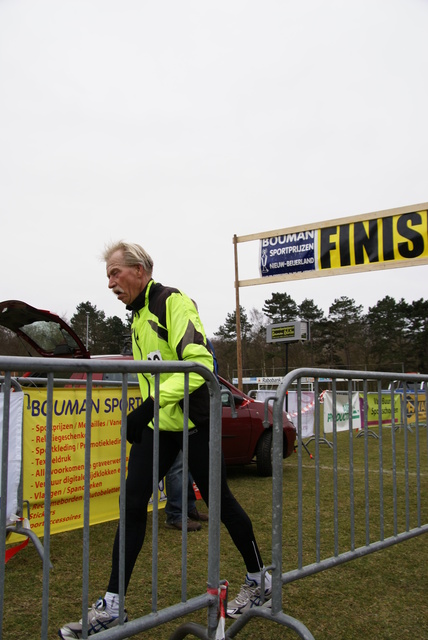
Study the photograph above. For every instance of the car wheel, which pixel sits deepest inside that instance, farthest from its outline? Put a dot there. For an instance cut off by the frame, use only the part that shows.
(264, 454)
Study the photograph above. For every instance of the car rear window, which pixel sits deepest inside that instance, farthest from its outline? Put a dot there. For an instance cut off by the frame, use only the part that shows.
(50, 337)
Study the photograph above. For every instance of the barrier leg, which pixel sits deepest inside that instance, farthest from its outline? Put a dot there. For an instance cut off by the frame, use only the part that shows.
(22, 531)
(279, 618)
(321, 441)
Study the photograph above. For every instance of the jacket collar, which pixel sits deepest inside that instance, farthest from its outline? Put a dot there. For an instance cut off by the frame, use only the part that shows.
(141, 300)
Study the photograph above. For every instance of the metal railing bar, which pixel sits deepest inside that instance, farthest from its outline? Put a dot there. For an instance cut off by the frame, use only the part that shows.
(86, 506)
(155, 513)
(184, 485)
(4, 480)
(317, 472)
(351, 470)
(366, 464)
(47, 507)
(347, 556)
(122, 498)
(380, 427)
(335, 486)
(418, 460)
(299, 475)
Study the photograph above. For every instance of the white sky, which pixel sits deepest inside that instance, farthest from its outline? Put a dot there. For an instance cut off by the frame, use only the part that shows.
(178, 124)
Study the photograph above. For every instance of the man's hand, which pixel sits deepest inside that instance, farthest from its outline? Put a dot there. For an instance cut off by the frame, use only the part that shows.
(138, 419)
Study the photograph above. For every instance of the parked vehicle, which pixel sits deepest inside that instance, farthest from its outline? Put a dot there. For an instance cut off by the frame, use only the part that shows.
(48, 334)
(398, 386)
(244, 436)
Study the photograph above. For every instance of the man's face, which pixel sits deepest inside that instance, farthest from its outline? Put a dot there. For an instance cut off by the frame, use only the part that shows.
(125, 282)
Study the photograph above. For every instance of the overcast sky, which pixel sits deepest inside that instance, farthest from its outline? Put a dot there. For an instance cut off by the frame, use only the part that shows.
(177, 124)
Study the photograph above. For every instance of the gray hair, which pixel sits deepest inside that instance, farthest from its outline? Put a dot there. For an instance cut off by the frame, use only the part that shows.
(132, 254)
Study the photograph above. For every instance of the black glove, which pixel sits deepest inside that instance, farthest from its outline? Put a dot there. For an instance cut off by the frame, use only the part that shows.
(138, 419)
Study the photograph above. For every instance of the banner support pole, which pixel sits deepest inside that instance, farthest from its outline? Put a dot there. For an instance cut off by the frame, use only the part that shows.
(238, 316)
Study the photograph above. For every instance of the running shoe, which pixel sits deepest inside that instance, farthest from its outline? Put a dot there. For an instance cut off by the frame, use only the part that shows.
(250, 596)
(98, 620)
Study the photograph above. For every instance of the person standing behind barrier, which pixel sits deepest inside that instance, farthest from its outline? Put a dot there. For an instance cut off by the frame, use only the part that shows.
(174, 499)
(166, 326)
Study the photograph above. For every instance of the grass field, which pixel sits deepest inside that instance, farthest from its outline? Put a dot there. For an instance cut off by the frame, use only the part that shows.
(382, 596)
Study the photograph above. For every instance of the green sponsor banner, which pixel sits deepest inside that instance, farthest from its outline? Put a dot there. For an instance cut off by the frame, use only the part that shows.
(343, 412)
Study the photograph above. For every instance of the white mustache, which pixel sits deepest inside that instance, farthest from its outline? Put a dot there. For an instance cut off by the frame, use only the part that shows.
(117, 291)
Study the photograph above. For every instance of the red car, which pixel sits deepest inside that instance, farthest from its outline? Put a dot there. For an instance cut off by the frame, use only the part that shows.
(244, 437)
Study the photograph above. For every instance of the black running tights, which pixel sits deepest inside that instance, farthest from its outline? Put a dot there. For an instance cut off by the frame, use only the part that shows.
(139, 486)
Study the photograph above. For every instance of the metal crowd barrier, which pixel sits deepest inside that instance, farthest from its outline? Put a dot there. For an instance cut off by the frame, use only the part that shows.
(354, 531)
(209, 598)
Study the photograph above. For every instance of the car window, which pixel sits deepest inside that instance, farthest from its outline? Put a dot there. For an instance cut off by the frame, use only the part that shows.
(225, 396)
(50, 337)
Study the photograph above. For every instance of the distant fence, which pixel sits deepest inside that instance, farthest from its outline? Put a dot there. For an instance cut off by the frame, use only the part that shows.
(368, 407)
(209, 598)
(334, 535)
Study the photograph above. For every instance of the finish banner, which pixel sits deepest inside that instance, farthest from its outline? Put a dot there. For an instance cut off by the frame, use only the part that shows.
(68, 455)
(378, 241)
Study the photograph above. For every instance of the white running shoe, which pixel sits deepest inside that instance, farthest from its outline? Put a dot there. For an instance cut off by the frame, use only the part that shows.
(98, 620)
(250, 596)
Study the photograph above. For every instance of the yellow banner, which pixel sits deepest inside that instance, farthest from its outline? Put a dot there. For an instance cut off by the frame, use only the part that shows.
(411, 408)
(379, 240)
(68, 451)
(374, 409)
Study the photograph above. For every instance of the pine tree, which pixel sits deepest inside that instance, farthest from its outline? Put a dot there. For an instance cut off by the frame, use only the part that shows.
(280, 308)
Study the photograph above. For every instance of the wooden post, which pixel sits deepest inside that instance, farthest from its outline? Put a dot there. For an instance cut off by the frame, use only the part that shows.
(238, 316)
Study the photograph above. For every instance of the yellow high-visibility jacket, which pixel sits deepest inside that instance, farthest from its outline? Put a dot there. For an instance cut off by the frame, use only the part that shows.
(167, 326)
